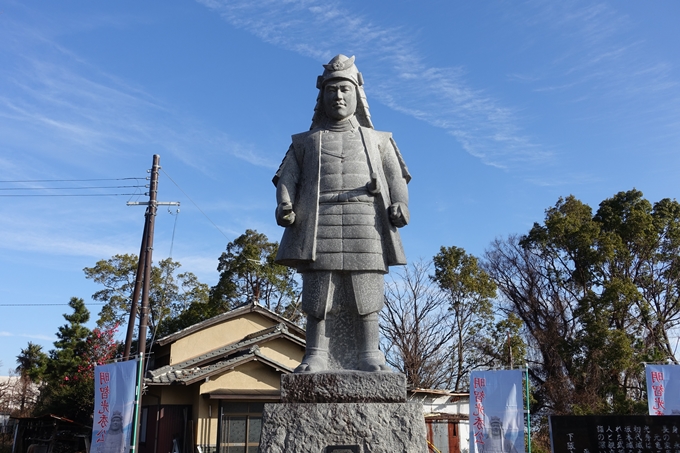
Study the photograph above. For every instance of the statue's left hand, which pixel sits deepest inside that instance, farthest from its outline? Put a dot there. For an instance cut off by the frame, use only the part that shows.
(399, 215)
(285, 216)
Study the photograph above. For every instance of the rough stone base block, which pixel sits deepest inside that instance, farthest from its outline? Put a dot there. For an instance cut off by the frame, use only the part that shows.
(343, 428)
(343, 387)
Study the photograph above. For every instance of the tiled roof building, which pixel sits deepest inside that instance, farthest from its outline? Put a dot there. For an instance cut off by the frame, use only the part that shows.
(206, 385)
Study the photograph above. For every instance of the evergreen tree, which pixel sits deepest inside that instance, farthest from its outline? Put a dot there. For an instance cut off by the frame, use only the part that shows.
(248, 273)
(31, 362)
(469, 291)
(170, 293)
(64, 392)
(598, 295)
(31, 368)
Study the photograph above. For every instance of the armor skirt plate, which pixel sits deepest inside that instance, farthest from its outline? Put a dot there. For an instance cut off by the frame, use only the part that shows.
(348, 238)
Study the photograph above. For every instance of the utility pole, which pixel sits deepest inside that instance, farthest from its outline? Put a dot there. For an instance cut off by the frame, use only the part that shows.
(135, 293)
(150, 222)
(145, 260)
(142, 281)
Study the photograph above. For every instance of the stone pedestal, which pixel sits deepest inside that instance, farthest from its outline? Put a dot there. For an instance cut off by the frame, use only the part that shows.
(343, 412)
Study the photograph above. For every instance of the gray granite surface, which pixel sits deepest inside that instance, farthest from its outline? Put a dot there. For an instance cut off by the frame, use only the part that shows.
(343, 387)
(367, 428)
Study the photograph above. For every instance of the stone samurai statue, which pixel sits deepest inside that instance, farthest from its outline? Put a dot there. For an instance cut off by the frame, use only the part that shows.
(115, 439)
(341, 195)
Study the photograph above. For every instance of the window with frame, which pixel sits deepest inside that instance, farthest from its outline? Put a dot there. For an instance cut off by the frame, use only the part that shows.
(240, 427)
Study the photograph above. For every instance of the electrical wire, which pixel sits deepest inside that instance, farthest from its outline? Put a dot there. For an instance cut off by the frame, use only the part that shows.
(174, 228)
(43, 305)
(68, 195)
(69, 188)
(71, 180)
(72, 195)
(15, 181)
(194, 203)
(165, 290)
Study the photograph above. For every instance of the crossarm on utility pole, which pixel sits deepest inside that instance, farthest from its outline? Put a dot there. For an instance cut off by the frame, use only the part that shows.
(158, 203)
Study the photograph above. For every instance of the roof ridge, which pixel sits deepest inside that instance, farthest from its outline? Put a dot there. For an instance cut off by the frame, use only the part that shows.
(186, 376)
(226, 350)
(248, 307)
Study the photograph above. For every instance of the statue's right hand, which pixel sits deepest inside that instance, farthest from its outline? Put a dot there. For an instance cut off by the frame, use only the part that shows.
(285, 216)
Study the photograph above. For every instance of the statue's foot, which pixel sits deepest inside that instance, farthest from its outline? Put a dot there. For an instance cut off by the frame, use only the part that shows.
(312, 364)
(373, 363)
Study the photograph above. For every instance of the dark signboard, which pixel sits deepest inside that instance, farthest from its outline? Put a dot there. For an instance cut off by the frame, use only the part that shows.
(343, 449)
(615, 434)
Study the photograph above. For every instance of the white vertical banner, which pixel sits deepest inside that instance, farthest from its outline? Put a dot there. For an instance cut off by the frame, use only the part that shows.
(496, 412)
(663, 389)
(114, 400)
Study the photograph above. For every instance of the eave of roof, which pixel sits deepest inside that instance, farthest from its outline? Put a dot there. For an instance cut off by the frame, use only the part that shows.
(190, 376)
(252, 307)
(255, 339)
(244, 395)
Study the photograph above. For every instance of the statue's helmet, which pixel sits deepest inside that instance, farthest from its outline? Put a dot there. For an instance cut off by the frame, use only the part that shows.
(116, 427)
(340, 67)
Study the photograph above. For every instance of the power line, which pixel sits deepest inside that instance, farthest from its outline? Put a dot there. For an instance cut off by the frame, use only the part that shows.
(69, 188)
(194, 203)
(73, 195)
(42, 305)
(172, 242)
(73, 180)
(15, 181)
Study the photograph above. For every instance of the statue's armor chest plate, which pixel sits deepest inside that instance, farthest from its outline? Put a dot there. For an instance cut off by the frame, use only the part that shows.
(344, 165)
(348, 229)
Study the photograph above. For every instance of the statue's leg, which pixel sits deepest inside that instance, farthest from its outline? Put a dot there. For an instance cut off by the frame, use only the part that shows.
(369, 288)
(317, 291)
(316, 352)
(370, 357)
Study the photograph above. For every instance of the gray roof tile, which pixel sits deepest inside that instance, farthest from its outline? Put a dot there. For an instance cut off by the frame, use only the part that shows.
(221, 359)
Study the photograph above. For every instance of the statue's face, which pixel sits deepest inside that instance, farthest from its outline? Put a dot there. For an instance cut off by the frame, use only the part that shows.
(339, 99)
(116, 424)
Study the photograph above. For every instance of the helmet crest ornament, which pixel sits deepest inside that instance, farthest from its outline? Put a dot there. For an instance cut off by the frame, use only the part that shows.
(336, 64)
(340, 67)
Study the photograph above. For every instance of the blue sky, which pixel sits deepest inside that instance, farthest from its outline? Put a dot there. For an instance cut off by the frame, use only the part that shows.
(499, 108)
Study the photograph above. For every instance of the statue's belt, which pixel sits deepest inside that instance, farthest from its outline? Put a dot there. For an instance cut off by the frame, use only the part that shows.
(350, 196)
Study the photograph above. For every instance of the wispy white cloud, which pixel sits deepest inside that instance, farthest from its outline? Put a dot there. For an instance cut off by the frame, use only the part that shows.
(399, 76)
(62, 243)
(600, 64)
(568, 180)
(88, 113)
(28, 335)
(595, 47)
(57, 108)
(66, 229)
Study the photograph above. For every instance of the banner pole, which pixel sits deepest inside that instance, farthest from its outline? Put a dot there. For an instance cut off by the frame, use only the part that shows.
(528, 409)
(138, 398)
